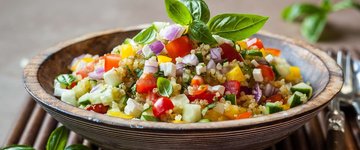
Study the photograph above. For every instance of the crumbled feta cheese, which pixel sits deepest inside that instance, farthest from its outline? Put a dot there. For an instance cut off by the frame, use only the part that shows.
(220, 40)
(269, 58)
(147, 51)
(168, 68)
(133, 108)
(217, 88)
(255, 63)
(257, 75)
(200, 68)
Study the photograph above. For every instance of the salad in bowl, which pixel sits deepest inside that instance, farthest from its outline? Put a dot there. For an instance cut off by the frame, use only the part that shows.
(194, 70)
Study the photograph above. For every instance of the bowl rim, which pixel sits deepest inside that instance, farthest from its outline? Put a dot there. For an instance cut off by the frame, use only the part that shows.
(34, 88)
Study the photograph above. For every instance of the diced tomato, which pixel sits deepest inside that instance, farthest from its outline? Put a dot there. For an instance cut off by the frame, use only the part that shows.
(267, 73)
(255, 42)
(146, 83)
(179, 47)
(232, 86)
(208, 96)
(274, 98)
(111, 61)
(200, 89)
(99, 108)
(272, 51)
(230, 53)
(152, 97)
(197, 80)
(244, 115)
(162, 105)
(73, 85)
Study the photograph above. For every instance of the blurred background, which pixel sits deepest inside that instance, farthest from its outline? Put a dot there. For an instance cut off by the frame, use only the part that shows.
(28, 27)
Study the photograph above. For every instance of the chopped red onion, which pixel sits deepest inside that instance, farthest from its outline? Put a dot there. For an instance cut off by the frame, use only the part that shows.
(191, 59)
(257, 92)
(139, 51)
(156, 47)
(151, 66)
(211, 65)
(215, 54)
(180, 68)
(262, 61)
(269, 90)
(97, 74)
(172, 32)
(95, 88)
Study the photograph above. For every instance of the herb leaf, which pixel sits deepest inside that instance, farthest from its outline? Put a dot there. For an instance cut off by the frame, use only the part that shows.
(231, 98)
(313, 26)
(146, 36)
(164, 86)
(198, 9)
(236, 26)
(77, 147)
(149, 118)
(208, 107)
(178, 12)
(295, 11)
(66, 79)
(58, 139)
(18, 147)
(198, 31)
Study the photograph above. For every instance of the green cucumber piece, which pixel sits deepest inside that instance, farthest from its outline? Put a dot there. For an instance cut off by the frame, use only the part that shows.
(191, 113)
(302, 88)
(112, 78)
(273, 107)
(204, 120)
(84, 100)
(69, 97)
(231, 98)
(251, 53)
(296, 99)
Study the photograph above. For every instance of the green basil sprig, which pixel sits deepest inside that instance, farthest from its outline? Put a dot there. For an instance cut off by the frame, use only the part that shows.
(236, 26)
(178, 12)
(77, 147)
(198, 31)
(164, 86)
(58, 139)
(66, 80)
(198, 9)
(314, 17)
(18, 147)
(146, 36)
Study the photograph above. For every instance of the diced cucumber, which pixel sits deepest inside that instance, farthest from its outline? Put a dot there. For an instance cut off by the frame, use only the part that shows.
(231, 98)
(122, 102)
(82, 87)
(273, 107)
(297, 99)
(282, 67)
(69, 97)
(179, 101)
(112, 77)
(277, 74)
(58, 90)
(84, 100)
(302, 88)
(251, 53)
(106, 97)
(204, 120)
(191, 112)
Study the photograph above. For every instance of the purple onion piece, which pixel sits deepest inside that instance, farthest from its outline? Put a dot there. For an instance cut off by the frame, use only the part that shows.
(257, 92)
(262, 61)
(269, 90)
(211, 65)
(95, 88)
(156, 47)
(171, 32)
(191, 59)
(180, 68)
(97, 74)
(151, 66)
(139, 51)
(215, 54)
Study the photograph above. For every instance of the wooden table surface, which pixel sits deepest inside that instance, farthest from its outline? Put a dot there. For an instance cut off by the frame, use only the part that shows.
(27, 27)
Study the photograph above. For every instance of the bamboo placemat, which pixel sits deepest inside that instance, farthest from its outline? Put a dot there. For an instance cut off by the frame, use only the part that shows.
(34, 126)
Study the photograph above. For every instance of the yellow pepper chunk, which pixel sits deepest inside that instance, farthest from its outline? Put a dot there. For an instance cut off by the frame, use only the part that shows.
(235, 74)
(126, 51)
(263, 52)
(119, 114)
(232, 111)
(286, 106)
(163, 59)
(87, 59)
(178, 121)
(242, 44)
(294, 74)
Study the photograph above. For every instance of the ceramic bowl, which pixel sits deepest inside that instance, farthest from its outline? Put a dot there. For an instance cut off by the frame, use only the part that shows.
(115, 133)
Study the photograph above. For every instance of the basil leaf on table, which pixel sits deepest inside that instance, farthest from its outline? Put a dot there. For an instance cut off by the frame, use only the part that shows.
(313, 26)
(198, 9)
(236, 26)
(164, 86)
(293, 12)
(58, 139)
(178, 12)
(146, 36)
(18, 147)
(77, 147)
(198, 31)
(345, 4)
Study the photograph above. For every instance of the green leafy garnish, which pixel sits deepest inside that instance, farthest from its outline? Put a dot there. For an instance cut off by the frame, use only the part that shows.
(236, 26)
(198, 9)
(138, 72)
(18, 147)
(178, 12)
(164, 86)
(208, 107)
(58, 139)
(313, 26)
(198, 31)
(231, 98)
(149, 118)
(146, 36)
(77, 147)
(66, 80)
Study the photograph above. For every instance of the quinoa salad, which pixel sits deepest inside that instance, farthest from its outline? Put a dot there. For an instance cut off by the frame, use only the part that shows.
(185, 72)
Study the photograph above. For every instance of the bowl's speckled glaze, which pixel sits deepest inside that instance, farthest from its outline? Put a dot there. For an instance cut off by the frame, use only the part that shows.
(115, 133)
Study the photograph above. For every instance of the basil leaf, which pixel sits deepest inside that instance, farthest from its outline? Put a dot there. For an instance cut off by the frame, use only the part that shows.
(345, 5)
(146, 35)
(326, 5)
(198, 31)
(77, 147)
(149, 118)
(178, 12)
(236, 26)
(18, 147)
(198, 9)
(295, 11)
(231, 98)
(313, 26)
(66, 79)
(58, 139)
(164, 86)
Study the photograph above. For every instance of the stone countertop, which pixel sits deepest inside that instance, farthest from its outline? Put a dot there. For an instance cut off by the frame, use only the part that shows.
(27, 27)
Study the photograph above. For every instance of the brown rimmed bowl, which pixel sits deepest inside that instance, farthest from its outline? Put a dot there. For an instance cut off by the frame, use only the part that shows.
(115, 133)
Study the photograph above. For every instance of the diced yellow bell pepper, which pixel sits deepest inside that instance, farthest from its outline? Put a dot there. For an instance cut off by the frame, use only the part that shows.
(232, 111)
(163, 59)
(285, 106)
(263, 52)
(294, 74)
(242, 44)
(213, 115)
(119, 114)
(235, 74)
(87, 59)
(126, 51)
(73, 67)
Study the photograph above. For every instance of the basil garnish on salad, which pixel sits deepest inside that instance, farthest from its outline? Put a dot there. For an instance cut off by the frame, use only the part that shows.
(146, 36)
(198, 9)
(164, 86)
(178, 12)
